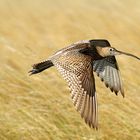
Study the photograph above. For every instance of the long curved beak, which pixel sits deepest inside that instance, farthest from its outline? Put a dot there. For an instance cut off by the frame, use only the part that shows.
(128, 54)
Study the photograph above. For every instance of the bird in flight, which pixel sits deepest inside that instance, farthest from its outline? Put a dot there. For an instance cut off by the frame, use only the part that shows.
(76, 64)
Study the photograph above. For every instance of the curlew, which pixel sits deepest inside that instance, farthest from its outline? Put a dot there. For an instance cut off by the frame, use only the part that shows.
(76, 63)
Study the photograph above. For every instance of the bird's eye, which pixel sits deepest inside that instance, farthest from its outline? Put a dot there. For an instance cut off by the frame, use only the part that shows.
(111, 49)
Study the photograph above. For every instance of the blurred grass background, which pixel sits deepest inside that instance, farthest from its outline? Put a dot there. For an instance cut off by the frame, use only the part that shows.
(39, 107)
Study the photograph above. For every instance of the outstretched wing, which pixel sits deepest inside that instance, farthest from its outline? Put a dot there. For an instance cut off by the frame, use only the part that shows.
(77, 70)
(107, 69)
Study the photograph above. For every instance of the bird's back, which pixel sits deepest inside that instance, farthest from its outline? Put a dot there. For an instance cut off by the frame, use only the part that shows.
(75, 46)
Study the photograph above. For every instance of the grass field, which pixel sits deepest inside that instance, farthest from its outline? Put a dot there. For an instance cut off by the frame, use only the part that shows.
(39, 107)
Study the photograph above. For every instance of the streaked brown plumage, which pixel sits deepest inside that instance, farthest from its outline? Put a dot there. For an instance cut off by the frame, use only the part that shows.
(76, 63)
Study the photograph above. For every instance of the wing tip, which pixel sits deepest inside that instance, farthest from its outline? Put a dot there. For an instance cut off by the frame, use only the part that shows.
(122, 93)
(92, 125)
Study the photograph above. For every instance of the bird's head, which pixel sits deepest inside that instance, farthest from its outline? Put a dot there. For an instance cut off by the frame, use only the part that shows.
(107, 51)
(104, 49)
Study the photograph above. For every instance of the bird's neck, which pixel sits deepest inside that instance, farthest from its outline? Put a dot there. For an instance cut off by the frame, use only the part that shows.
(100, 51)
(93, 52)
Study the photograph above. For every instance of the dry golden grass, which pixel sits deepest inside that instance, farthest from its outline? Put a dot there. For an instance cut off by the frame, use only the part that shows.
(39, 107)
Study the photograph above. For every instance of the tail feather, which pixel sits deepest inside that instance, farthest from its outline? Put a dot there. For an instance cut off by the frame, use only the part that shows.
(39, 67)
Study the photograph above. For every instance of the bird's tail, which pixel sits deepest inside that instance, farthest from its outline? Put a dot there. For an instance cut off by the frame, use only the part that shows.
(41, 66)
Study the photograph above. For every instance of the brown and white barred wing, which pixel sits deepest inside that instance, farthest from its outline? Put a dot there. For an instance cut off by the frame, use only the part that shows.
(77, 70)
